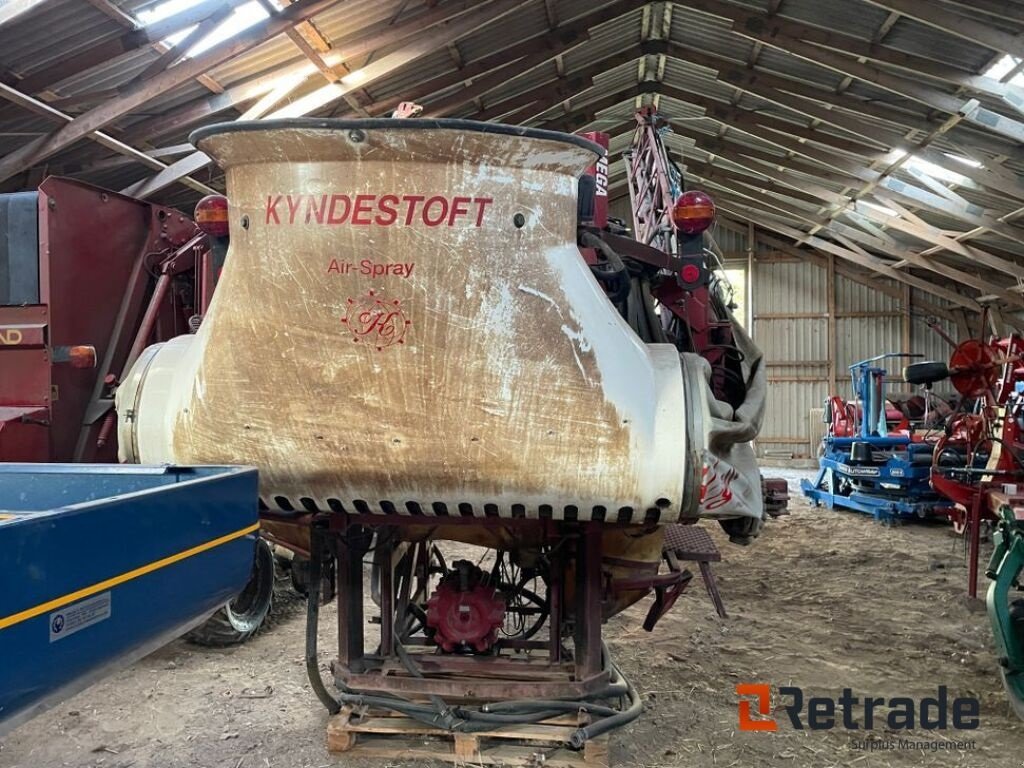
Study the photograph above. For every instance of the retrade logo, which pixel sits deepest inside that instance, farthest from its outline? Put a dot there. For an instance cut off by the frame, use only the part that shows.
(762, 693)
(853, 713)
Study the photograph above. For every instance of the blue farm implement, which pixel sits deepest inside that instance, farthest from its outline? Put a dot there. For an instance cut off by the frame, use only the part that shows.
(88, 279)
(871, 459)
(106, 563)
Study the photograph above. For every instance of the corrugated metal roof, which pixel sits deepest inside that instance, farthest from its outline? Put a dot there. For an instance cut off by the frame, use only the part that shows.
(53, 31)
(914, 37)
(60, 29)
(852, 18)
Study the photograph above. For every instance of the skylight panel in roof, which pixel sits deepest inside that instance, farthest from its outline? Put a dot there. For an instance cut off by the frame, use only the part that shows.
(243, 17)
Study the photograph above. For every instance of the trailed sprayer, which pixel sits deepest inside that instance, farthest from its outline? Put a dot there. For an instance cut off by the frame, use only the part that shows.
(408, 344)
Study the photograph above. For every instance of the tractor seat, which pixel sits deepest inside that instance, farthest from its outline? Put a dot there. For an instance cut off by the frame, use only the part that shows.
(925, 373)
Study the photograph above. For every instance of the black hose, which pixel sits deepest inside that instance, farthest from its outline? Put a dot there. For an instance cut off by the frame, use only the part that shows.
(485, 721)
(617, 275)
(624, 717)
(312, 622)
(590, 240)
(442, 708)
(657, 331)
(555, 704)
(439, 714)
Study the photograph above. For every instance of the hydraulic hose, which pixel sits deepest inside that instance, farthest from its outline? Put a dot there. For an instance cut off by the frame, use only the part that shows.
(443, 710)
(558, 705)
(624, 717)
(313, 621)
(618, 273)
(422, 713)
(590, 240)
(438, 714)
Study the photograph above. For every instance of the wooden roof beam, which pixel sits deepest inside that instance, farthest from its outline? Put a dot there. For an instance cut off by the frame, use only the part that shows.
(179, 49)
(896, 164)
(907, 192)
(927, 95)
(765, 27)
(515, 109)
(849, 271)
(934, 236)
(873, 263)
(712, 171)
(311, 42)
(12, 9)
(114, 11)
(913, 195)
(935, 15)
(543, 96)
(835, 110)
(418, 46)
(359, 44)
(45, 110)
(36, 151)
(872, 240)
(110, 50)
(566, 38)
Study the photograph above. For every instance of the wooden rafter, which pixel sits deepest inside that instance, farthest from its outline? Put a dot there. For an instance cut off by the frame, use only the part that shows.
(415, 48)
(960, 25)
(773, 195)
(45, 110)
(12, 9)
(101, 116)
(114, 11)
(111, 50)
(345, 50)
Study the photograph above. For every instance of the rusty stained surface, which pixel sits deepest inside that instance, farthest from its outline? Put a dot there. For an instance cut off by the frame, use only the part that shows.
(454, 371)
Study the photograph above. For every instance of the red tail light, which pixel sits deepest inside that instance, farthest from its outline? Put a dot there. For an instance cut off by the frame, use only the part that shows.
(693, 212)
(212, 215)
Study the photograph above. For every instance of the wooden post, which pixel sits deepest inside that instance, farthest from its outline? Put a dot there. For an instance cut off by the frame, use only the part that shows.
(748, 301)
(555, 597)
(833, 341)
(906, 327)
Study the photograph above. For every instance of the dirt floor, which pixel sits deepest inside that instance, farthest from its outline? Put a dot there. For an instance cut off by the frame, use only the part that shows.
(823, 600)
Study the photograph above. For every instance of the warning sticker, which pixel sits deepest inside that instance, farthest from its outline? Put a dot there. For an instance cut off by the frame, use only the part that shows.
(80, 615)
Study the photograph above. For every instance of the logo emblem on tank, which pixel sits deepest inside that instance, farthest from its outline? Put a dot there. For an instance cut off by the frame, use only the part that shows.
(376, 321)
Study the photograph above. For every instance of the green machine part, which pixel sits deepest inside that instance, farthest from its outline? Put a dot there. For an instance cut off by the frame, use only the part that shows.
(1006, 614)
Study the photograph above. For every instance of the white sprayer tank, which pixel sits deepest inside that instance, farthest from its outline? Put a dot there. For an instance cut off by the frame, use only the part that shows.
(404, 324)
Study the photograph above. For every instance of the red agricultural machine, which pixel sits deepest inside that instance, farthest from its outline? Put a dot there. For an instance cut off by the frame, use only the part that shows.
(88, 279)
(979, 457)
(507, 431)
(979, 465)
(692, 302)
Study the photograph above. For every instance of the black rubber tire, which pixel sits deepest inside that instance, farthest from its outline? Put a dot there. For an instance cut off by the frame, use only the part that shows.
(925, 373)
(243, 617)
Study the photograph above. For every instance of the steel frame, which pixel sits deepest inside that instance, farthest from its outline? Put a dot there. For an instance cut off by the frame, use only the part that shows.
(550, 671)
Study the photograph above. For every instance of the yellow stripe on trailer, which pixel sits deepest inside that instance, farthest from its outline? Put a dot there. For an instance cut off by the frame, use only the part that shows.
(31, 613)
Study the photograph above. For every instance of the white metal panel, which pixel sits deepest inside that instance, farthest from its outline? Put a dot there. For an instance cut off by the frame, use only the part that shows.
(786, 296)
(789, 286)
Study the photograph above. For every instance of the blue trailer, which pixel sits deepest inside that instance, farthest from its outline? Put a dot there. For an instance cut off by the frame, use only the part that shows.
(102, 564)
